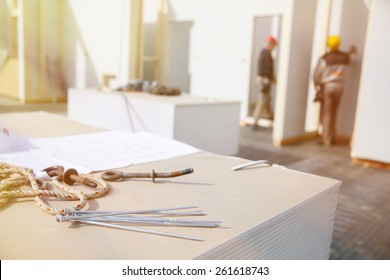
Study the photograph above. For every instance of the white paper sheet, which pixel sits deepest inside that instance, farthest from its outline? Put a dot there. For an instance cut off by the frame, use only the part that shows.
(99, 151)
(38, 161)
(10, 142)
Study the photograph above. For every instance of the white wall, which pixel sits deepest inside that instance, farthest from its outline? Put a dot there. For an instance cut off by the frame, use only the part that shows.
(372, 133)
(222, 45)
(294, 69)
(182, 10)
(321, 27)
(352, 32)
(95, 35)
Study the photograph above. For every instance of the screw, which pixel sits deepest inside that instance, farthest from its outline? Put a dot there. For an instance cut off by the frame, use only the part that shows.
(117, 213)
(168, 234)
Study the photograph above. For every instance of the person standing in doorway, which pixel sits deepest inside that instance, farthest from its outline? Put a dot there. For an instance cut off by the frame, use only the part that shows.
(329, 79)
(264, 80)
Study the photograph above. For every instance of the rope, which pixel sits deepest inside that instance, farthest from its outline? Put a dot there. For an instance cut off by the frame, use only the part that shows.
(15, 177)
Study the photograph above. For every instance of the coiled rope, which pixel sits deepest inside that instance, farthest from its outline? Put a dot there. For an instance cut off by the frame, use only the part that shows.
(12, 178)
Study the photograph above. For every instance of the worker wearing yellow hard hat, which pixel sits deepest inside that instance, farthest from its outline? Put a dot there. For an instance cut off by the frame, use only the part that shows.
(329, 79)
(333, 42)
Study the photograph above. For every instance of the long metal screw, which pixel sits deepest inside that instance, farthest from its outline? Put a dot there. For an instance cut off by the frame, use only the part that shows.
(113, 219)
(112, 213)
(182, 236)
(142, 220)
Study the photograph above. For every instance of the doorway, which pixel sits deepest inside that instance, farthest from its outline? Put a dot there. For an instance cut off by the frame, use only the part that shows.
(166, 49)
(177, 56)
(262, 27)
(347, 19)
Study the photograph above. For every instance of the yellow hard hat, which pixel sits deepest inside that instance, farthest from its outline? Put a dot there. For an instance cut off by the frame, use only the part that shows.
(333, 42)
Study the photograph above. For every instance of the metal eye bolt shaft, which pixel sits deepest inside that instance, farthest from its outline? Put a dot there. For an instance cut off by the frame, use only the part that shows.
(118, 175)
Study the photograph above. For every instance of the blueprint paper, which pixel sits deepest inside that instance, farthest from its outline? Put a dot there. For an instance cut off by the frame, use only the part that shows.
(99, 151)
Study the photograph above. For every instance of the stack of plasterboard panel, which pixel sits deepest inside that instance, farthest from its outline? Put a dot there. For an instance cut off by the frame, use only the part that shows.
(303, 232)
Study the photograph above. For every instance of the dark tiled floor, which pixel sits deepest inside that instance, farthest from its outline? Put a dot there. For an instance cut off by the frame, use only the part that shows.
(362, 223)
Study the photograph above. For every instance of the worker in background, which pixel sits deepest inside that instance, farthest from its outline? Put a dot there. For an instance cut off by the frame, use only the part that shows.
(265, 78)
(329, 79)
